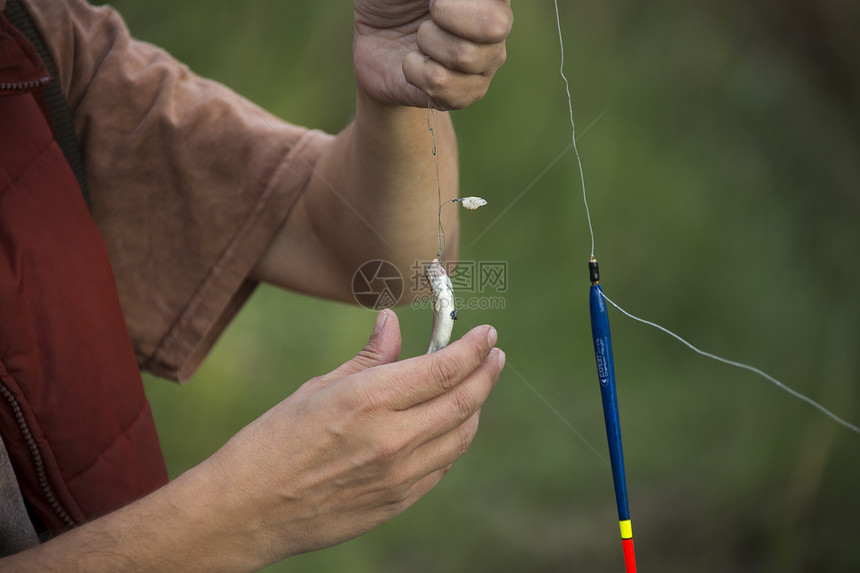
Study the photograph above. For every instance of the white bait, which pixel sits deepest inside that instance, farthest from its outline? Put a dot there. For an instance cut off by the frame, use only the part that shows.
(444, 313)
(472, 203)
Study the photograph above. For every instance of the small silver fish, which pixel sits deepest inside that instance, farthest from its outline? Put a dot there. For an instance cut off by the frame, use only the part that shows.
(444, 313)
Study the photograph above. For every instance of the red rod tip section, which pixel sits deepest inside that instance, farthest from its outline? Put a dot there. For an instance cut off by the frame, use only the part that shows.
(629, 557)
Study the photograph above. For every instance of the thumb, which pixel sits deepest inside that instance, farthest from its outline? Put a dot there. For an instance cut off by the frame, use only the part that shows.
(382, 348)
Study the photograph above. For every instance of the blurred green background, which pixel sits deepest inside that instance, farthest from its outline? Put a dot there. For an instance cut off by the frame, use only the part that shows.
(722, 165)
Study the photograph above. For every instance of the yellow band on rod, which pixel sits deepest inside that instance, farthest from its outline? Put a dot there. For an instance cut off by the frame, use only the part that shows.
(626, 529)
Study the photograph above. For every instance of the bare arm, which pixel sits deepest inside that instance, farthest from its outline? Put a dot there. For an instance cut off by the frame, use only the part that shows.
(180, 527)
(345, 453)
(373, 194)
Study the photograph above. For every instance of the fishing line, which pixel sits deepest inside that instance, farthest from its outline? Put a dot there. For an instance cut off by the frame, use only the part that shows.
(757, 371)
(431, 127)
(558, 414)
(752, 369)
(573, 127)
(471, 203)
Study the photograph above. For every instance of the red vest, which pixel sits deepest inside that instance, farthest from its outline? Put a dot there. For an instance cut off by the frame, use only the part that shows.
(73, 414)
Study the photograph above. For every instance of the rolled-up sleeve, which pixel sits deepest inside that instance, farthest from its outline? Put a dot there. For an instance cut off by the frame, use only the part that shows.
(189, 182)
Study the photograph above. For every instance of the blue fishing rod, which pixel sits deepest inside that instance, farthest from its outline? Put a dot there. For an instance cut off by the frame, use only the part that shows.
(606, 375)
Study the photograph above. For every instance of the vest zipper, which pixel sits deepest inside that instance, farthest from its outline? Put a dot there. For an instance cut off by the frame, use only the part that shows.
(36, 455)
(15, 86)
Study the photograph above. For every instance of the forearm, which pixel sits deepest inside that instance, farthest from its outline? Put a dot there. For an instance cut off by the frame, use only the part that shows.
(180, 527)
(373, 195)
(386, 170)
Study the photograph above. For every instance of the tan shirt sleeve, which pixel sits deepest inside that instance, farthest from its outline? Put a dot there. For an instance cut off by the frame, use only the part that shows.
(189, 182)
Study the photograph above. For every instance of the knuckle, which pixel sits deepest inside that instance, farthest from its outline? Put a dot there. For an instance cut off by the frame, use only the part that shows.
(478, 353)
(479, 94)
(397, 484)
(436, 79)
(444, 372)
(451, 103)
(368, 356)
(399, 499)
(442, 7)
(501, 56)
(315, 381)
(466, 436)
(463, 55)
(386, 451)
(365, 400)
(466, 403)
(498, 24)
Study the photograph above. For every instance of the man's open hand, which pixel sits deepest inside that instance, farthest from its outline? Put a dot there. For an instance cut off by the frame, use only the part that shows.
(355, 447)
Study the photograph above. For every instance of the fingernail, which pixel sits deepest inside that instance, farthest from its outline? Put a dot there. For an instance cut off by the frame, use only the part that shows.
(492, 336)
(380, 321)
(500, 356)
